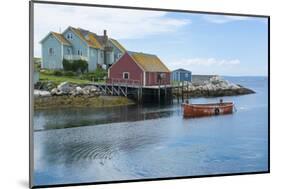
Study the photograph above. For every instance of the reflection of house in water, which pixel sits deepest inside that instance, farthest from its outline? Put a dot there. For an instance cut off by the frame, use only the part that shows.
(140, 69)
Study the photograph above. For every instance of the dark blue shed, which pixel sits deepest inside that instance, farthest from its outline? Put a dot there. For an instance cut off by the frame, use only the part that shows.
(181, 75)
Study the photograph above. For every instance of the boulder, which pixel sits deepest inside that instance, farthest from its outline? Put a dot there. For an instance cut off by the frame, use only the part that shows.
(41, 93)
(90, 88)
(65, 88)
(215, 87)
(79, 91)
(55, 91)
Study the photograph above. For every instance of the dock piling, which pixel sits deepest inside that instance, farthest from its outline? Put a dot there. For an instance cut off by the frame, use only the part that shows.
(137, 91)
(159, 95)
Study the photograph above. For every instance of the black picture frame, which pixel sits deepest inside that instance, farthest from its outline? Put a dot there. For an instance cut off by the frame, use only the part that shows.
(31, 53)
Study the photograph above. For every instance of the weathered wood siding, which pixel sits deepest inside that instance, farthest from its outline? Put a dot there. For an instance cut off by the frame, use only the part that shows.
(126, 64)
(151, 78)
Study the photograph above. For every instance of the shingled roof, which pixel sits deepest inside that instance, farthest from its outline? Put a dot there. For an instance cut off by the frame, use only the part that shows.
(94, 40)
(88, 37)
(148, 62)
(59, 37)
(118, 45)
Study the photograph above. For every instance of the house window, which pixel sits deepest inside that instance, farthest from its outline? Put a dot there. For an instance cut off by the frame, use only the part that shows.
(161, 77)
(79, 52)
(69, 36)
(186, 74)
(68, 51)
(126, 75)
(51, 51)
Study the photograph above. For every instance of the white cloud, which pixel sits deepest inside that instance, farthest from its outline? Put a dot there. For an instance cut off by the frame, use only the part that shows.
(120, 23)
(206, 62)
(222, 19)
(206, 65)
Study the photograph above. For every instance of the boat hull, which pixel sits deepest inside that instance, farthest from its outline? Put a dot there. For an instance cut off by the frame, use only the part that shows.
(201, 110)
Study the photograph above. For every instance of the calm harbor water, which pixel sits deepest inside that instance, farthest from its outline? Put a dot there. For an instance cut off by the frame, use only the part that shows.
(151, 141)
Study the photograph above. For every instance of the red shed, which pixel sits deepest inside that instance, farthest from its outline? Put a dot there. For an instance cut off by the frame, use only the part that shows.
(139, 68)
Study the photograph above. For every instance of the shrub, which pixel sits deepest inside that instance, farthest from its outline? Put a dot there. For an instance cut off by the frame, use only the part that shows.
(81, 65)
(67, 65)
(47, 72)
(100, 73)
(69, 73)
(75, 65)
(58, 73)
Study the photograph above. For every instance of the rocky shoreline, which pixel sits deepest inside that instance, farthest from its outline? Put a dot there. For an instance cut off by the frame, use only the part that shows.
(51, 102)
(47, 95)
(214, 87)
(67, 95)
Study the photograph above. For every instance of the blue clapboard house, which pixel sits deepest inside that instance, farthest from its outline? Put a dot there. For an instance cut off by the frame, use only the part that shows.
(181, 75)
(78, 43)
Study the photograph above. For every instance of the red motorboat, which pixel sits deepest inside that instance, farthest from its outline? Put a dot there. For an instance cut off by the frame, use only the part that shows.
(200, 110)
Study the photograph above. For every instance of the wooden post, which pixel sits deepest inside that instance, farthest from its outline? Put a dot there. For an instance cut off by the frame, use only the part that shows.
(178, 92)
(126, 89)
(138, 93)
(165, 92)
(187, 93)
(112, 92)
(159, 95)
(141, 94)
(182, 95)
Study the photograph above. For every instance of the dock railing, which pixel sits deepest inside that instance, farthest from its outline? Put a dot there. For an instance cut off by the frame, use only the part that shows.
(130, 82)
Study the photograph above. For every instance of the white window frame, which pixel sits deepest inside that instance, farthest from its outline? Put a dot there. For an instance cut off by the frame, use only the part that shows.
(124, 75)
(163, 75)
(69, 36)
(69, 51)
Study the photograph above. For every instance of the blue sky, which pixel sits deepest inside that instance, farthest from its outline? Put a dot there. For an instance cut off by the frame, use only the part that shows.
(202, 43)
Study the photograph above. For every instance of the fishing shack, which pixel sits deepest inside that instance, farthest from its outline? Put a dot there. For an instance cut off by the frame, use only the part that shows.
(136, 68)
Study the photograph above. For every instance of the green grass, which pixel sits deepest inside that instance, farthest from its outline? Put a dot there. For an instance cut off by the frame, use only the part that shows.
(59, 79)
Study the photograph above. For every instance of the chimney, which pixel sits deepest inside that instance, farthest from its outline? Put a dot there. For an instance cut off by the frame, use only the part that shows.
(105, 37)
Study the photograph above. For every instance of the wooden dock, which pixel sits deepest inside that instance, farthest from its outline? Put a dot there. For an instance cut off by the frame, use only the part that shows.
(140, 93)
